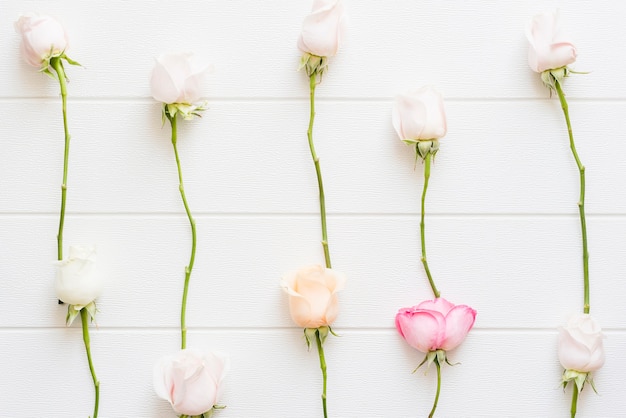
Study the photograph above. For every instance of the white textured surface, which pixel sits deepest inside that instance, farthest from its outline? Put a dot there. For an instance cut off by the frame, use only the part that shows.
(503, 231)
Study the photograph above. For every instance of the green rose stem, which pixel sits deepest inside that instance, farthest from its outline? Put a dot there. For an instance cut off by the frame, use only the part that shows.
(581, 201)
(192, 222)
(432, 411)
(316, 161)
(96, 384)
(320, 350)
(581, 211)
(427, 163)
(57, 64)
(574, 401)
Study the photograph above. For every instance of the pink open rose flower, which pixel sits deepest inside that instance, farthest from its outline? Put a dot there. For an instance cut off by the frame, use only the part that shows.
(191, 380)
(43, 37)
(550, 48)
(581, 345)
(177, 81)
(323, 29)
(312, 291)
(419, 115)
(435, 324)
(177, 78)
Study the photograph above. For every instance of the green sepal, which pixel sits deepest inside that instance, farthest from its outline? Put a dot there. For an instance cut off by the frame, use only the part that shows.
(426, 147)
(579, 379)
(437, 356)
(207, 414)
(71, 61)
(45, 64)
(186, 110)
(49, 73)
(333, 332)
(309, 336)
(323, 333)
(314, 64)
(74, 310)
(555, 75)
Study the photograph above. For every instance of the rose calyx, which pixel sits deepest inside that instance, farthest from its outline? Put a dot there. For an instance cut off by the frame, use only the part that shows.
(314, 65)
(74, 310)
(579, 379)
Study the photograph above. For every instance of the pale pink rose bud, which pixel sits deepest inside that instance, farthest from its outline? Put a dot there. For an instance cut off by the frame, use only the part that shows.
(419, 116)
(78, 281)
(435, 325)
(549, 48)
(312, 291)
(178, 78)
(323, 29)
(581, 346)
(43, 37)
(191, 380)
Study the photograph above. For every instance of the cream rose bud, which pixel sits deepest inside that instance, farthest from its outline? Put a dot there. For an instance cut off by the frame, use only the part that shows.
(78, 281)
(323, 29)
(550, 48)
(581, 346)
(191, 380)
(419, 115)
(312, 291)
(178, 77)
(42, 37)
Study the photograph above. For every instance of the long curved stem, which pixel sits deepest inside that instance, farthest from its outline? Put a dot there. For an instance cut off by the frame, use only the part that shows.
(58, 67)
(432, 411)
(316, 161)
(96, 384)
(192, 222)
(574, 401)
(581, 201)
(320, 350)
(427, 163)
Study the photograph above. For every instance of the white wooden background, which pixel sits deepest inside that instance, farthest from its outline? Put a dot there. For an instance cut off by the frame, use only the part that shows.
(503, 229)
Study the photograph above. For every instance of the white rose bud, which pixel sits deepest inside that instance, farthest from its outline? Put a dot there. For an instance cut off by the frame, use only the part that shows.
(191, 380)
(549, 48)
(323, 29)
(581, 345)
(419, 119)
(78, 281)
(321, 36)
(43, 37)
(177, 81)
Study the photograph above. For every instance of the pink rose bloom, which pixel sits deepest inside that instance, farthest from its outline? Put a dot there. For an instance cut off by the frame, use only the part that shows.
(43, 37)
(581, 345)
(312, 291)
(550, 48)
(323, 29)
(191, 380)
(435, 324)
(419, 115)
(177, 78)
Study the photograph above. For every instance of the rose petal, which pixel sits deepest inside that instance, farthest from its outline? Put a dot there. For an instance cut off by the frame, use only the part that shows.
(323, 29)
(423, 330)
(459, 321)
(440, 305)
